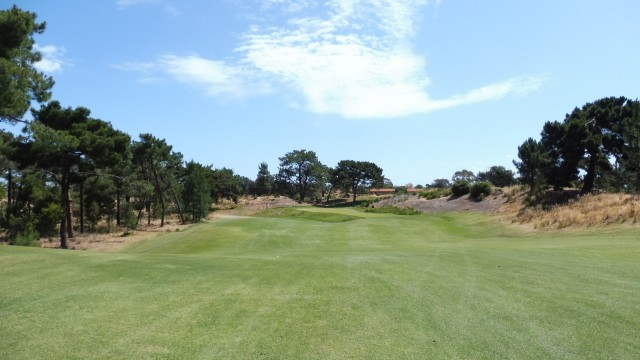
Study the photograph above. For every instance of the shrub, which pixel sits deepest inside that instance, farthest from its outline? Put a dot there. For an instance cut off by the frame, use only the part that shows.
(28, 237)
(389, 209)
(435, 193)
(480, 190)
(440, 183)
(401, 190)
(460, 188)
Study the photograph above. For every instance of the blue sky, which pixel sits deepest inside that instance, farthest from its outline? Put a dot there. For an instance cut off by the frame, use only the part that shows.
(421, 88)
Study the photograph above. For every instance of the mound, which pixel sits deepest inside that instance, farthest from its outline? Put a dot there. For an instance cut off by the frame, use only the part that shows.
(489, 205)
(268, 202)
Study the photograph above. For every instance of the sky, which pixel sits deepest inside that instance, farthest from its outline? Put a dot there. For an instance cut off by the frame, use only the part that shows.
(422, 88)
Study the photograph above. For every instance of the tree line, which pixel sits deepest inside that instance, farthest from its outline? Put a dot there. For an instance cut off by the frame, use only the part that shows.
(67, 171)
(303, 177)
(595, 148)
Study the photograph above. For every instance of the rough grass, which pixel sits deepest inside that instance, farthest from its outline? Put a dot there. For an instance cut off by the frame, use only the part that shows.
(437, 193)
(291, 212)
(389, 209)
(585, 212)
(382, 286)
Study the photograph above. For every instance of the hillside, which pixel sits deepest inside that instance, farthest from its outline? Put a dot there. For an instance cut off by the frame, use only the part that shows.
(595, 210)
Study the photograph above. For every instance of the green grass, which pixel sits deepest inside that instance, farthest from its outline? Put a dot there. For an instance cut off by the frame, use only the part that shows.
(290, 212)
(379, 287)
(389, 209)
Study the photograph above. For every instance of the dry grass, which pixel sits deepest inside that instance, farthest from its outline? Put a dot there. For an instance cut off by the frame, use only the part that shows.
(118, 239)
(597, 210)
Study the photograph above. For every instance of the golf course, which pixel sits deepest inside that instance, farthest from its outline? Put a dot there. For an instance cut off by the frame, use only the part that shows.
(330, 283)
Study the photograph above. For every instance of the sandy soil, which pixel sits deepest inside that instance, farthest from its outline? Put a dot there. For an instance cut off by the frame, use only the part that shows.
(116, 240)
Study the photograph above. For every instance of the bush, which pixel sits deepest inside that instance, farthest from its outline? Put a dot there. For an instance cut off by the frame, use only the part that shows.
(460, 188)
(401, 190)
(28, 237)
(480, 190)
(389, 209)
(435, 193)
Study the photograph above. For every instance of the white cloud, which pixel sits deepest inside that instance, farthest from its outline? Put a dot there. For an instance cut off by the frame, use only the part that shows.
(122, 4)
(358, 62)
(169, 7)
(215, 77)
(355, 59)
(52, 59)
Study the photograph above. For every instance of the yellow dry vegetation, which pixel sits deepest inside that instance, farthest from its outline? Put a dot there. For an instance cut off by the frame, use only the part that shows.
(593, 210)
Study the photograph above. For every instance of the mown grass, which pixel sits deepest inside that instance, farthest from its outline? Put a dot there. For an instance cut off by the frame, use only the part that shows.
(381, 286)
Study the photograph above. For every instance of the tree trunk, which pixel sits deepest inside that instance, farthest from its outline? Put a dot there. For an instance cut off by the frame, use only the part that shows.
(159, 190)
(118, 205)
(355, 193)
(139, 215)
(148, 208)
(590, 176)
(175, 199)
(180, 213)
(9, 196)
(82, 207)
(69, 208)
(64, 199)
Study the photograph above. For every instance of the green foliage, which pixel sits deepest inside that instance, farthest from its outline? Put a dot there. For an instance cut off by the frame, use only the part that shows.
(532, 165)
(299, 172)
(401, 190)
(289, 212)
(352, 176)
(628, 170)
(440, 183)
(49, 219)
(160, 166)
(479, 190)
(197, 200)
(435, 193)
(463, 175)
(225, 184)
(20, 81)
(389, 209)
(460, 188)
(590, 145)
(264, 180)
(498, 176)
(99, 194)
(129, 220)
(28, 237)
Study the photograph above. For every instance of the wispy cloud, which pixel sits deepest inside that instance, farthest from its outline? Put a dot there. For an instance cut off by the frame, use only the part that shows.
(169, 7)
(123, 4)
(52, 59)
(213, 76)
(353, 58)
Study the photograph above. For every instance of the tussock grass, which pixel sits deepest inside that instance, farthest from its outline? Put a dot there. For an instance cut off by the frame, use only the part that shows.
(290, 212)
(390, 209)
(587, 211)
(431, 194)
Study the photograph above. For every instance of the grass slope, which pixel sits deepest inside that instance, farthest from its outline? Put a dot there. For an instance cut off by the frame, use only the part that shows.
(380, 286)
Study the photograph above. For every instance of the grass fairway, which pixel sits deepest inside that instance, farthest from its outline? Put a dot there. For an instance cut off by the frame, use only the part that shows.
(375, 286)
